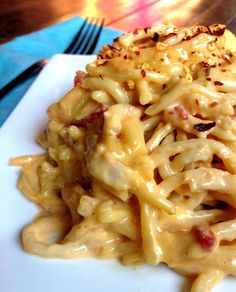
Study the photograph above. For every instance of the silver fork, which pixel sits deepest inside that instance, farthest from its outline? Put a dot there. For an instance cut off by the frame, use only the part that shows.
(84, 43)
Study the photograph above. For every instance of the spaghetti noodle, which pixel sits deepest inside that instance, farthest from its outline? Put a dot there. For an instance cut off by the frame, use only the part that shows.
(140, 159)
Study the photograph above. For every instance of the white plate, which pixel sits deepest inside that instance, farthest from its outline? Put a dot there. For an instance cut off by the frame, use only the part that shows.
(20, 272)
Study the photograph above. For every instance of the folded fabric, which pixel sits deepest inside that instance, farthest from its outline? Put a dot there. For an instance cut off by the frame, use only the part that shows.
(20, 53)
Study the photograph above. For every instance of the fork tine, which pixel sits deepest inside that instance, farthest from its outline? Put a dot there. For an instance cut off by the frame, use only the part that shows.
(37, 66)
(83, 49)
(96, 38)
(91, 38)
(84, 38)
(75, 39)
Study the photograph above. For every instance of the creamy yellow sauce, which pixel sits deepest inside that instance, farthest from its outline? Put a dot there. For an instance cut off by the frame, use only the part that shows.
(140, 159)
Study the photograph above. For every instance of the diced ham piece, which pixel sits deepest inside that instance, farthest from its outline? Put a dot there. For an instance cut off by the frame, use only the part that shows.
(79, 77)
(90, 118)
(205, 237)
(181, 112)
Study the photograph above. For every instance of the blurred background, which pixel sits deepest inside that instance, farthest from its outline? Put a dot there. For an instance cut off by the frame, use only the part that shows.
(20, 17)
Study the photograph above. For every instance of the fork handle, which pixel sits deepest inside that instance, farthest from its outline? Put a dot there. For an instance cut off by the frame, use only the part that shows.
(33, 69)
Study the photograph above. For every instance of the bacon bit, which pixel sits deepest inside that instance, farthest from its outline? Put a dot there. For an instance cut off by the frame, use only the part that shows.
(79, 77)
(201, 127)
(197, 101)
(193, 52)
(216, 29)
(135, 31)
(213, 104)
(230, 54)
(218, 83)
(213, 54)
(101, 77)
(116, 39)
(137, 53)
(223, 70)
(184, 116)
(179, 110)
(143, 73)
(118, 135)
(206, 67)
(226, 58)
(89, 119)
(164, 86)
(155, 38)
(208, 78)
(205, 237)
(146, 29)
(125, 57)
(107, 56)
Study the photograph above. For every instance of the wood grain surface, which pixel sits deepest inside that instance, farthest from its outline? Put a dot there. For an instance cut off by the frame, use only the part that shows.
(18, 17)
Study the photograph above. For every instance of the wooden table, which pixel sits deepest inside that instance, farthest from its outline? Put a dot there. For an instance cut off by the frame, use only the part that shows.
(19, 17)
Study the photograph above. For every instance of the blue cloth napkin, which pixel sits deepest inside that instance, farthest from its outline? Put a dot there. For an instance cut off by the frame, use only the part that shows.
(20, 53)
